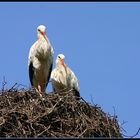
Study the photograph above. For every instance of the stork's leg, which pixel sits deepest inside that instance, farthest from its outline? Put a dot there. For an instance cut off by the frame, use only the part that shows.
(43, 87)
(39, 88)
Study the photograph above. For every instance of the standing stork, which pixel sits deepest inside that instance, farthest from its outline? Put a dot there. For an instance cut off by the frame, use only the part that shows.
(40, 61)
(64, 78)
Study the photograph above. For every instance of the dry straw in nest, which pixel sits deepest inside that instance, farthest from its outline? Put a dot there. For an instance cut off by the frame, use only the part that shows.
(25, 114)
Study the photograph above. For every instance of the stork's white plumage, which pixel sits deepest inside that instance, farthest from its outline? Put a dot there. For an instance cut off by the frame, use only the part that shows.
(63, 77)
(40, 60)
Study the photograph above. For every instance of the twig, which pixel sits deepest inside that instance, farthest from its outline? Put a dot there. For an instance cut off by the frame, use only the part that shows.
(92, 100)
(44, 131)
(12, 87)
(3, 83)
(59, 91)
(133, 135)
(114, 111)
(82, 132)
(54, 106)
(22, 85)
(85, 102)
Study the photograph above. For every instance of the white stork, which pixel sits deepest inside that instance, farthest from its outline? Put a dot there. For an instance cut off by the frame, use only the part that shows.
(63, 77)
(40, 61)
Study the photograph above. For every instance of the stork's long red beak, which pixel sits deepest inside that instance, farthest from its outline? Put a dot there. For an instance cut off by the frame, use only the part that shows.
(44, 35)
(63, 63)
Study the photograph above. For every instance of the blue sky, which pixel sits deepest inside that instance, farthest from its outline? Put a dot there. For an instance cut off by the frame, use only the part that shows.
(101, 43)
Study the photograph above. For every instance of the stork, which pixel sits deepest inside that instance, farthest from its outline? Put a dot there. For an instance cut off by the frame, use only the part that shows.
(40, 61)
(63, 77)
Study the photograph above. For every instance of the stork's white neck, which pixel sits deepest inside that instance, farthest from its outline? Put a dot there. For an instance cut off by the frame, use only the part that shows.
(60, 66)
(42, 38)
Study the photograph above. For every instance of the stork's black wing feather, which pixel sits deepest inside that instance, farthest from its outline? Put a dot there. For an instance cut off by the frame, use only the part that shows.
(76, 93)
(50, 70)
(31, 72)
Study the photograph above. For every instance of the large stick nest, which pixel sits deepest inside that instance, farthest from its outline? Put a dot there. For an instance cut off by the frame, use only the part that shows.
(25, 114)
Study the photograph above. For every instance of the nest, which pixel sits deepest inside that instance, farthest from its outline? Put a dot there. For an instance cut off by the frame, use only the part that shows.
(26, 114)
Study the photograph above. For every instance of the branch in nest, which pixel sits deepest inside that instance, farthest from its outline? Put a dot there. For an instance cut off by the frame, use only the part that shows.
(133, 135)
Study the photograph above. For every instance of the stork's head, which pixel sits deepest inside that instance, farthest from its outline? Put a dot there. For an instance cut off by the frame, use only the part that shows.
(60, 60)
(41, 29)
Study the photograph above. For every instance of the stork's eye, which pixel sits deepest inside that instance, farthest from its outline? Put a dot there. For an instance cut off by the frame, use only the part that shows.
(59, 57)
(39, 30)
